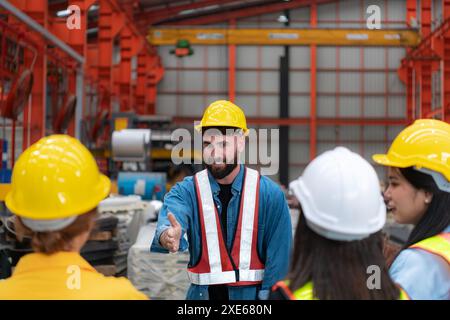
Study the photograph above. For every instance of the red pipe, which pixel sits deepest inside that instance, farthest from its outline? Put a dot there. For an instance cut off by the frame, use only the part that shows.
(232, 66)
(13, 143)
(306, 121)
(273, 93)
(266, 69)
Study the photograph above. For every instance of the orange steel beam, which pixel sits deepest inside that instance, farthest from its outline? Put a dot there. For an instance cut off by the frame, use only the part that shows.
(411, 12)
(77, 39)
(34, 115)
(445, 71)
(243, 13)
(141, 82)
(425, 66)
(110, 23)
(72, 89)
(116, 80)
(295, 121)
(150, 17)
(430, 55)
(129, 46)
(155, 72)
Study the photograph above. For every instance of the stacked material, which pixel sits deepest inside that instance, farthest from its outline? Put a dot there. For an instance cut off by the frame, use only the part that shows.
(158, 275)
(99, 250)
(124, 209)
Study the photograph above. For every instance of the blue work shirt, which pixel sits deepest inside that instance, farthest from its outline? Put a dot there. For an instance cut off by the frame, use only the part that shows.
(274, 231)
(423, 275)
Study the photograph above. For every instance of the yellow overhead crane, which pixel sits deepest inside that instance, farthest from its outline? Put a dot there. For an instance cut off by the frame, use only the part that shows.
(330, 37)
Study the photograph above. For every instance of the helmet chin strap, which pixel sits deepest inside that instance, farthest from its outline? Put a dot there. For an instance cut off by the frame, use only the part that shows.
(442, 183)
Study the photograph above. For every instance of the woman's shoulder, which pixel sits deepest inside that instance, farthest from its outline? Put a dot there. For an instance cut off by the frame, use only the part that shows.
(422, 274)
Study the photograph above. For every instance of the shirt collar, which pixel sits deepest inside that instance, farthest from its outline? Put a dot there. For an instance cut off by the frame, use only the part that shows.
(34, 261)
(236, 186)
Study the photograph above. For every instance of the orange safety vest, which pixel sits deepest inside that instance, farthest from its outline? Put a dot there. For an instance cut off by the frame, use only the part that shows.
(438, 245)
(241, 266)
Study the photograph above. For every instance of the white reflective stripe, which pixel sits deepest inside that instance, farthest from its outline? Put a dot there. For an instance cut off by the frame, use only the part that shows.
(212, 278)
(248, 215)
(251, 275)
(210, 223)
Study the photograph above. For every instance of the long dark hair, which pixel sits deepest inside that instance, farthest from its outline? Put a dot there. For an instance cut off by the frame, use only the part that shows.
(338, 269)
(437, 215)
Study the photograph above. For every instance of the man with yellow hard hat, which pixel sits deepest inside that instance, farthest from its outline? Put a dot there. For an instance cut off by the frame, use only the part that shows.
(56, 187)
(237, 222)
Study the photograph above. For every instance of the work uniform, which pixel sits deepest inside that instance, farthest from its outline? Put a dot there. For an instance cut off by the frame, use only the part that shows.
(281, 291)
(255, 253)
(424, 272)
(65, 276)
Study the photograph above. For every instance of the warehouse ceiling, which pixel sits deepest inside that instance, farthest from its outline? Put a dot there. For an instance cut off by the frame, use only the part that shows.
(147, 13)
(153, 13)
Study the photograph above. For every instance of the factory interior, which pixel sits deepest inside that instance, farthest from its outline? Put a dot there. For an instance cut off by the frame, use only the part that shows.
(129, 80)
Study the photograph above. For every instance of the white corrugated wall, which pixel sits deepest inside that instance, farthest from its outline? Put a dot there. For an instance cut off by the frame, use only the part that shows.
(187, 88)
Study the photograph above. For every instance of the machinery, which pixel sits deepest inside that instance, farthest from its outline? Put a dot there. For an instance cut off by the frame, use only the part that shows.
(140, 156)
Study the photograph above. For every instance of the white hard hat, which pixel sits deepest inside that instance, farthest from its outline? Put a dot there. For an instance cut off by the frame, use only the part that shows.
(340, 196)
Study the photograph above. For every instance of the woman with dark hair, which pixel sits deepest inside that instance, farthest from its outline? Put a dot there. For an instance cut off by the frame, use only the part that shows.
(419, 194)
(338, 250)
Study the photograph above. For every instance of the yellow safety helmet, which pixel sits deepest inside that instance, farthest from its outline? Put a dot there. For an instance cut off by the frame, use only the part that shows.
(223, 113)
(56, 178)
(424, 145)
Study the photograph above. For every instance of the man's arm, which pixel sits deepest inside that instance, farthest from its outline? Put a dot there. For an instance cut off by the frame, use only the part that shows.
(278, 237)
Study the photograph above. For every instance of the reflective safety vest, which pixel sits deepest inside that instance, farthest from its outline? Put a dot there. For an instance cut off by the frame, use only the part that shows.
(307, 291)
(241, 266)
(438, 245)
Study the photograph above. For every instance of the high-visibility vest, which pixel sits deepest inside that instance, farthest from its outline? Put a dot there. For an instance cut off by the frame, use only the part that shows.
(438, 245)
(241, 266)
(307, 291)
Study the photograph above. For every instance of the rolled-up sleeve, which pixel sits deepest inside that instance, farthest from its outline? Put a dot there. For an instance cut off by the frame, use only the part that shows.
(177, 202)
(278, 237)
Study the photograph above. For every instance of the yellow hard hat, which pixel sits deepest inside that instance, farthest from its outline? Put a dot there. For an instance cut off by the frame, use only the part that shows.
(424, 144)
(55, 178)
(223, 113)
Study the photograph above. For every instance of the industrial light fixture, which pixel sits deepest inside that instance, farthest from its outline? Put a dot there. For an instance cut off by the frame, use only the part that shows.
(92, 31)
(67, 12)
(63, 13)
(94, 7)
(189, 11)
(182, 49)
(282, 19)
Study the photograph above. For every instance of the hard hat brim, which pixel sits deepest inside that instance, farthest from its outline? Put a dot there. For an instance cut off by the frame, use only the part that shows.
(199, 128)
(385, 160)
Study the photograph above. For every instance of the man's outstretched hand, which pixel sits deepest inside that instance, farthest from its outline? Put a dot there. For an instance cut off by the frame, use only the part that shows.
(170, 238)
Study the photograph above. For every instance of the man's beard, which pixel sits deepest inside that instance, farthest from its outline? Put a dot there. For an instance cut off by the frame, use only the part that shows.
(220, 173)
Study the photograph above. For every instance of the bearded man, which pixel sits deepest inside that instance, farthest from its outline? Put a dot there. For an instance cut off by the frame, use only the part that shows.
(237, 222)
